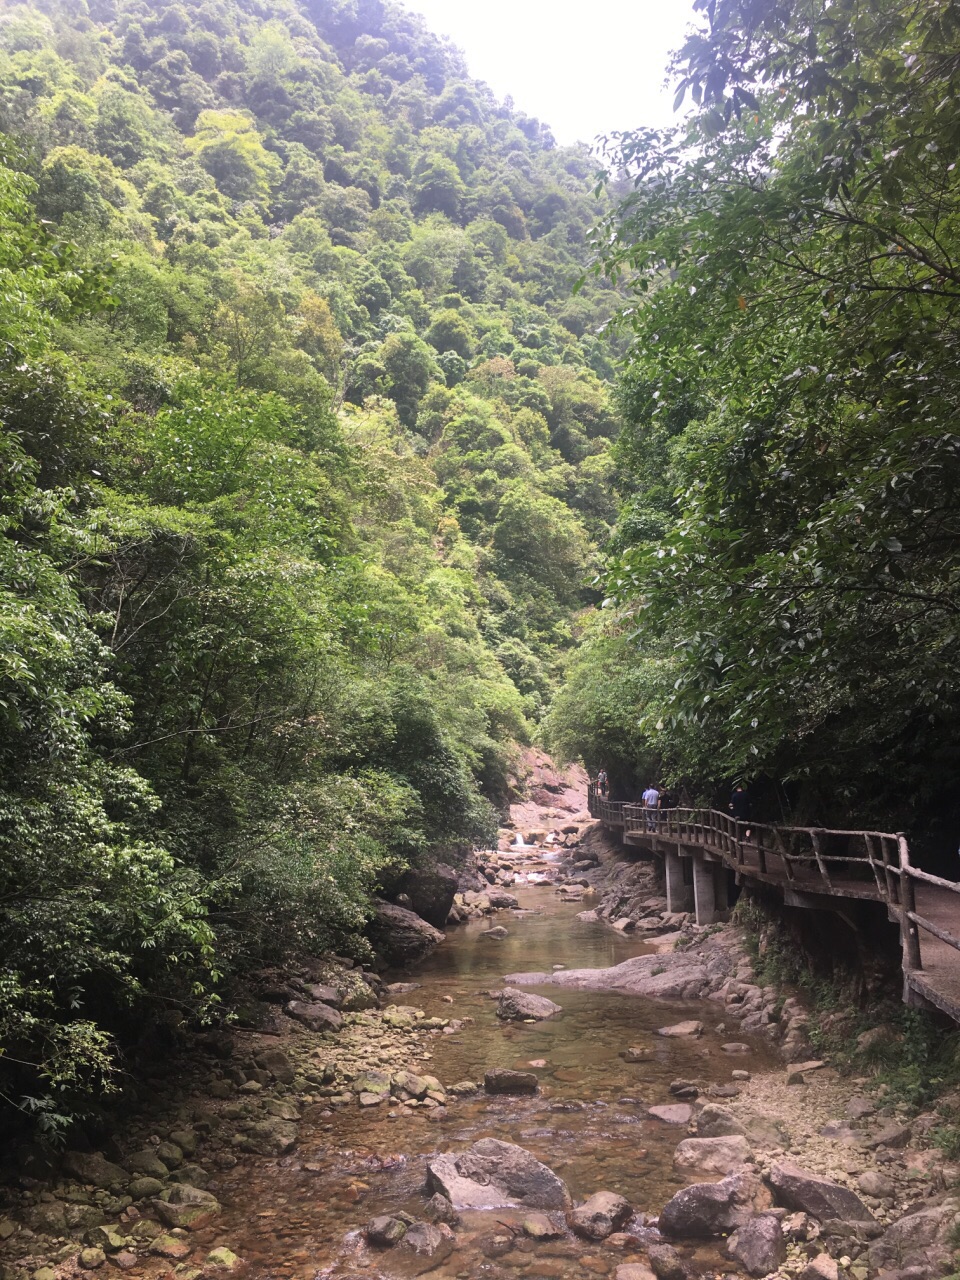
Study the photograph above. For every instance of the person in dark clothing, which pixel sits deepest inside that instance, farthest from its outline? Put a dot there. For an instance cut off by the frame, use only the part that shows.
(668, 799)
(740, 805)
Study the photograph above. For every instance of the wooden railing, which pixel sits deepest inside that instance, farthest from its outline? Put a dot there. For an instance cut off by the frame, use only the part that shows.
(854, 864)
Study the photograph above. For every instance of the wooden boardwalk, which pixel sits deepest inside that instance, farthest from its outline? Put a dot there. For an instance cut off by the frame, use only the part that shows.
(813, 867)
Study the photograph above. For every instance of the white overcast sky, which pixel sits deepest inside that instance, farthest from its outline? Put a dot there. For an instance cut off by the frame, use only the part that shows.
(583, 67)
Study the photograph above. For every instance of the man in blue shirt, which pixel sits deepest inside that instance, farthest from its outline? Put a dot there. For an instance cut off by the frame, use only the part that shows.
(651, 802)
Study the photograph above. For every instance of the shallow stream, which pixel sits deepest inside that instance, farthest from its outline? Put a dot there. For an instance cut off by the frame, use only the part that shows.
(301, 1215)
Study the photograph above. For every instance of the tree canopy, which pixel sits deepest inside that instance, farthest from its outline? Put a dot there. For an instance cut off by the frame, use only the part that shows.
(791, 524)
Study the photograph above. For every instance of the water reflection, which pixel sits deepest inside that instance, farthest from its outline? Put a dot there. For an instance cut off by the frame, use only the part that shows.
(588, 1122)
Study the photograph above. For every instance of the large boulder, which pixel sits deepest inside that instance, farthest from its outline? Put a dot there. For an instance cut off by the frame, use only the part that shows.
(500, 900)
(759, 1245)
(666, 1262)
(431, 892)
(715, 1121)
(796, 1189)
(187, 1207)
(314, 1015)
(518, 1006)
(920, 1239)
(601, 1215)
(713, 1155)
(492, 1174)
(503, 1080)
(401, 936)
(385, 1231)
(709, 1208)
(93, 1168)
(271, 1136)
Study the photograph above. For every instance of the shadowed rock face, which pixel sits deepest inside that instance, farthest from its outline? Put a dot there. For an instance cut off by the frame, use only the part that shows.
(400, 936)
(709, 1208)
(431, 891)
(794, 1188)
(759, 1245)
(492, 1174)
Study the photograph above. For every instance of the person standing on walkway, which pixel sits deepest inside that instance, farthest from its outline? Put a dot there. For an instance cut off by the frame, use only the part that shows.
(651, 800)
(603, 783)
(740, 806)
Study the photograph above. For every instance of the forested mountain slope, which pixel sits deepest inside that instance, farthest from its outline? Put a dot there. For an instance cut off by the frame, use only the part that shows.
(305, 444)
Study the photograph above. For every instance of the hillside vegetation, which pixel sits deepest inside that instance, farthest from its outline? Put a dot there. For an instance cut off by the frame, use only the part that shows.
(306, 455)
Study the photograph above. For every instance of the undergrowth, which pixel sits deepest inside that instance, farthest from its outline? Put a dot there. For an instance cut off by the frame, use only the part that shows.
(916, 1056)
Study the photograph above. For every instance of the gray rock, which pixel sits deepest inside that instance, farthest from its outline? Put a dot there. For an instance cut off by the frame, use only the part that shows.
(891, 1135)
(796, 1189)
(859, 1108)
(708, 1208)
(492, 1174)
(271, 1137)
(666, 1262)
(713, 1155)
(141, 1188)
(147, 1164)
(94, 1168)
(496, 933)
(920, 1239)
(538, 1226)
(439, 1209)
(688, 1028)
(170, 1154)
(715, 1121)
(601, 1215)
(322, 993)
(679, 1113)
(501, 1080)
(822, 1267)
(385, 1232)
(517, 1006)
(314, 1015)
(876, 1184)
(187, 1207)
(430, 1243)
(759, 1245)
(501, 900)
(186, 1139)
(431, 892)
(401, 936)
(277, 1063)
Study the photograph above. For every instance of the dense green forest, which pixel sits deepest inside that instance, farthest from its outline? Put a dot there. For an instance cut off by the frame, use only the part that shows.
(306, 444)
(784, 589)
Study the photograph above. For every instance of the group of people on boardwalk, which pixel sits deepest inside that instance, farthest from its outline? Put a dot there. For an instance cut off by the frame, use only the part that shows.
(656, 798)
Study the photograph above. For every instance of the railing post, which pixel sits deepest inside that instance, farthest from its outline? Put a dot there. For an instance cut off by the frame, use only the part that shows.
(909, 934)
(815, 837)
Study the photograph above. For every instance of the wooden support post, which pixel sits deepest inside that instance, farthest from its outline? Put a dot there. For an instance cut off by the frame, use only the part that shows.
(909, 934)
(816, 838)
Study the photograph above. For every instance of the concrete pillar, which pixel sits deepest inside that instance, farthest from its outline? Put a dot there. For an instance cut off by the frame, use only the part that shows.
(704, 895)
(679, 895)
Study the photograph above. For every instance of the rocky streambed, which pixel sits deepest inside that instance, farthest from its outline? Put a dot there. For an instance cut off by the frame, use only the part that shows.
(574, 1083)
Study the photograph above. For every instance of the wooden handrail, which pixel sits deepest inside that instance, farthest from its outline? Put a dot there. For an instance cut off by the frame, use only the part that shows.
(893, 873)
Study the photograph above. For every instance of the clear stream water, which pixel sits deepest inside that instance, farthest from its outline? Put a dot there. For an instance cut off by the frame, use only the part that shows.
(302, 1215)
